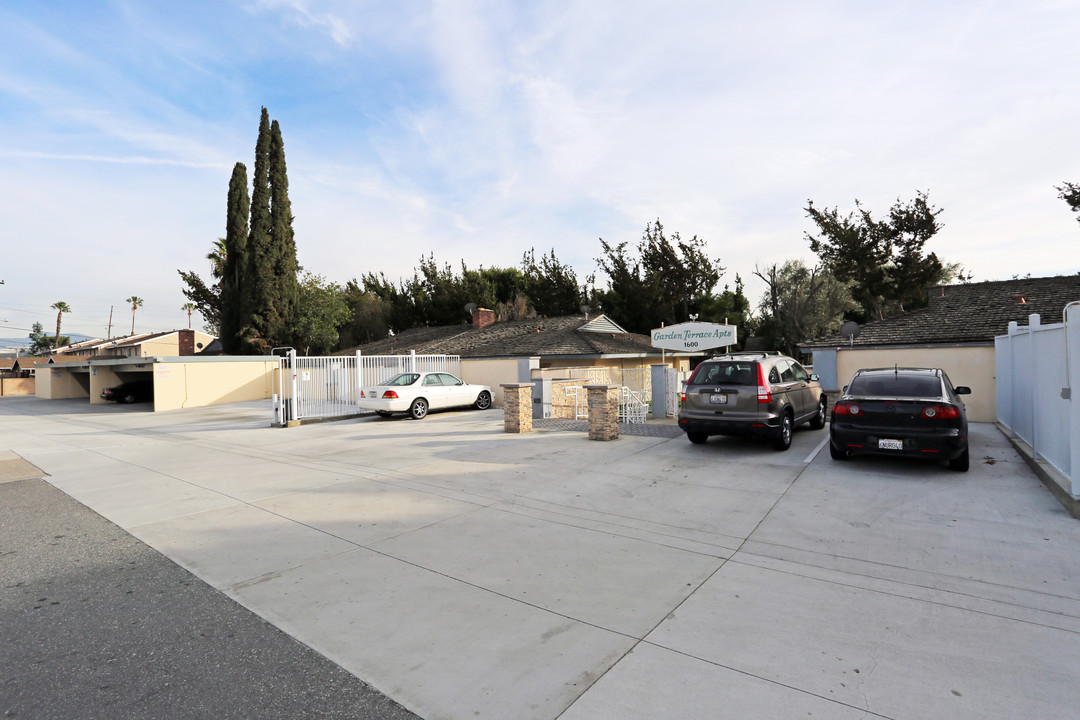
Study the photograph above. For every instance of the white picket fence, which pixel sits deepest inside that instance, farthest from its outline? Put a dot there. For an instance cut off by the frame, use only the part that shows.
(329, 386)
(1037, 368)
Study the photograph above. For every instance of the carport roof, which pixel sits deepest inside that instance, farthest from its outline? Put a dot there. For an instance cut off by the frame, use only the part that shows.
(968, 313)
(568, 335)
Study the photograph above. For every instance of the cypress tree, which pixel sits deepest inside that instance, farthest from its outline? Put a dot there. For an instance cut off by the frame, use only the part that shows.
(233, 273)
(258, 271)
(285, 293)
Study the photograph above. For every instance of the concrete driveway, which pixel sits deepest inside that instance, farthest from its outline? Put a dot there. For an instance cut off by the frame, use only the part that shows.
(468, 573)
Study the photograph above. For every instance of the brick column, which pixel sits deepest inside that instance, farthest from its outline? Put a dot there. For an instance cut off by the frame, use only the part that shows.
(517, 407)
(603, 412)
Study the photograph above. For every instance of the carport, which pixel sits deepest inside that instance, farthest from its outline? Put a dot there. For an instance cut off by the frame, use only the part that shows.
(179, 382)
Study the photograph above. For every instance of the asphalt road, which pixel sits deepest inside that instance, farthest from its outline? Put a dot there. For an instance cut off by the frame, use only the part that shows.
(98, 625)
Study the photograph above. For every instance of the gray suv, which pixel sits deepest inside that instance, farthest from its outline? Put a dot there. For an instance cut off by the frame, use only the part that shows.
(751, 394)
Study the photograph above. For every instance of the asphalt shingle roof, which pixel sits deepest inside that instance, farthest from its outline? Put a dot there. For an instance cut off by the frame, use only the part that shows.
(516, 338)
(974, 312)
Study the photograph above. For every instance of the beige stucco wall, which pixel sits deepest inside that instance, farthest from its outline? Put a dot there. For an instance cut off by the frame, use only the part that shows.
(493, 372)
(160, 347)
(43, 383)
(166, 346)
(106, 377)
(195, 384)
(17, 386)
(971, 366)
(55, 383)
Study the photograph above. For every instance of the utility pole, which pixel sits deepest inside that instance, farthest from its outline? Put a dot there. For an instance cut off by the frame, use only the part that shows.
(108, 335)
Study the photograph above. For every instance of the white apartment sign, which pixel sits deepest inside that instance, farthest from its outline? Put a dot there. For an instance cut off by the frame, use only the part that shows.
(690, 336)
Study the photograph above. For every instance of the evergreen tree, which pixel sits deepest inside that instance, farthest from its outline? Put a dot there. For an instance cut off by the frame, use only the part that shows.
(665, 283)
(883, 260)
(1070, 193)
(551, 286)
(207, 299)
(258, 268)
(41, 343)
(232, 275)
(285, 288)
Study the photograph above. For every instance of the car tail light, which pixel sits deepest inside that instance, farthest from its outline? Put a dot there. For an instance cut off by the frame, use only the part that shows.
(389, 395)
(763, 394)
(846, 408)
(940, 412)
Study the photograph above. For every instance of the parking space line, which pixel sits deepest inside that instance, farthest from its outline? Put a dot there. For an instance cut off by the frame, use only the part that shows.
(812, 455)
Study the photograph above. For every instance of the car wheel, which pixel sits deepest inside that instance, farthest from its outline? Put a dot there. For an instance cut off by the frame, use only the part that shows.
(818, 421)
(783, 438)
(961, 463)
(383, 413)
(483, 400)
(418, 409)
(837, 453)
(697, 438)
(129, 399)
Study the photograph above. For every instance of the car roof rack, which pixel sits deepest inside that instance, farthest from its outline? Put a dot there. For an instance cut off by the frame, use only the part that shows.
(747, 353)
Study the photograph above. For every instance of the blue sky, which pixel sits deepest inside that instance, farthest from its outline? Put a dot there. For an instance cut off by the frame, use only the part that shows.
(476, 130)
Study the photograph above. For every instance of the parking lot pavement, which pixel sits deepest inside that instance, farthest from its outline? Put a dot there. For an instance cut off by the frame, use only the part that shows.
(466, 572)
(94, 624)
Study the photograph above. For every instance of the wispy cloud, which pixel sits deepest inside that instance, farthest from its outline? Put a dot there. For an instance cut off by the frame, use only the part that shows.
(300, 12)
(129, 160)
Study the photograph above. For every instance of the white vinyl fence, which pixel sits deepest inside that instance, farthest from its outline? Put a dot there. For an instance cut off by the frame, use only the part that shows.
(323, 387)
(1037, 366)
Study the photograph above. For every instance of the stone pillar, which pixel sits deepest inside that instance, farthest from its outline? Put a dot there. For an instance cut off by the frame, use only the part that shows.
(517, 407)
(603, 412)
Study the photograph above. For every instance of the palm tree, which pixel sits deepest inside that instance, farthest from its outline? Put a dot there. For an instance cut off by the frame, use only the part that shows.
(136, 303)
(189, 307)
(60, 307)
(217, 259)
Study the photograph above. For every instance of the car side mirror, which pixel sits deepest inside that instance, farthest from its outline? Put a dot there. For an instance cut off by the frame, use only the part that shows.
(845, 389)
(962, 390)
(814, 378)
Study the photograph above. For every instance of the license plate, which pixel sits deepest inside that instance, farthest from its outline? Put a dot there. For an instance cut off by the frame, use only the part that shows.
(890, 444)
(718, 399)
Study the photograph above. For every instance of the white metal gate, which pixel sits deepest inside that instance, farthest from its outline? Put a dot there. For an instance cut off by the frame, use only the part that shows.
(674, 380)
(321, 387)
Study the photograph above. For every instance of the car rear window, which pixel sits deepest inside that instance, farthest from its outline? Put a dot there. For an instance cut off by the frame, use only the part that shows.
(727, 372)
(403, 379)
(895, 385)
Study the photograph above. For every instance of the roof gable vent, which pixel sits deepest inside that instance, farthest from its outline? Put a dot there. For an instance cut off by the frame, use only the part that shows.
(601, 324)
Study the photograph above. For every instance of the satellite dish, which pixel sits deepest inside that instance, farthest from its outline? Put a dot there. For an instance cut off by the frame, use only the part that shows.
(471, 308)
(850, 330)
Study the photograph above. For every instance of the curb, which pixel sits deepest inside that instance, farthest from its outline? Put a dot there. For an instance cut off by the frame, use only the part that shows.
(1054, 481)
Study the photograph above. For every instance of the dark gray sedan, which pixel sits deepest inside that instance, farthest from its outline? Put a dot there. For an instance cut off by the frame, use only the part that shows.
(911, 412)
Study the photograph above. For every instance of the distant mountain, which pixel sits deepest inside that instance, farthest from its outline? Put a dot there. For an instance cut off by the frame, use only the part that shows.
(25, 341)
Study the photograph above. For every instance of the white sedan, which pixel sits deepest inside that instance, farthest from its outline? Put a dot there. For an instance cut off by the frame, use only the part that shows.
(416, 393)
